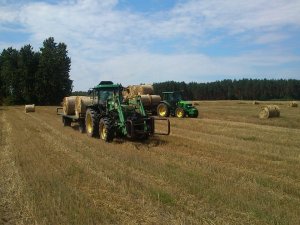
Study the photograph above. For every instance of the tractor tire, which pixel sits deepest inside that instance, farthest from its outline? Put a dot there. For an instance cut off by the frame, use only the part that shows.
(195, 116)
(163, 110)
(66, 121)
(92, 123)
(106, 129)
(179, 112)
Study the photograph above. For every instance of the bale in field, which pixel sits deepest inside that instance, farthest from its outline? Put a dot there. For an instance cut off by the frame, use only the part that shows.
(195, 103)
(29, 108)
(269, 111)
(81, 102)
(293, 104)
(69, 105)
(255, 103)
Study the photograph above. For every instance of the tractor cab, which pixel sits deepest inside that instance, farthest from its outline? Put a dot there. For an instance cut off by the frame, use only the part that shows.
(105, 91)
(172, 96)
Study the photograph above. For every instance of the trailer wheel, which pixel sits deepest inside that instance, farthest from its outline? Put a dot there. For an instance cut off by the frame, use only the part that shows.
(66, 121)
(106, 129)
(92, 123)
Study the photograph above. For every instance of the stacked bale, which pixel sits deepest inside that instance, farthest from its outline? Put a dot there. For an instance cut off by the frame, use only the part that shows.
(69, 105)
(81, 102)
(150, 100)
(293, 104)
(29, 108)
(134, 90)
(269, 111)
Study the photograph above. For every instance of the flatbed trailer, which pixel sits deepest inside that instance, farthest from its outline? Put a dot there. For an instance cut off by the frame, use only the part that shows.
(68, 119)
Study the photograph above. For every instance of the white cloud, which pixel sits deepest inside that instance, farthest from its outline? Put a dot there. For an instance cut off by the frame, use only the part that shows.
(109, 43)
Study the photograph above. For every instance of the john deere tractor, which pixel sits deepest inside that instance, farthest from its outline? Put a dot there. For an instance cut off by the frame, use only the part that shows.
(109, 116)
(172, 104)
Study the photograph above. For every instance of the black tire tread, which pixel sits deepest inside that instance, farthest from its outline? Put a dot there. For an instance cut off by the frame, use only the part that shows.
(165, 105)
(95, 122)
(106, 121)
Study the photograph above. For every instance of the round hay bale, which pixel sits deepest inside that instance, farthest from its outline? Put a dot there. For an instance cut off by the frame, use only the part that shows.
(81, 102)
(255, 103)
(29, 108)
(69, 105)
(269, 111)
(145, 90)
(150, 100)
(293, 104)
(134, 90)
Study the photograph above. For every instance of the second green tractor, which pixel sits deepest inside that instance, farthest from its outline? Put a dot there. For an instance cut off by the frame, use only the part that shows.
(173, 104)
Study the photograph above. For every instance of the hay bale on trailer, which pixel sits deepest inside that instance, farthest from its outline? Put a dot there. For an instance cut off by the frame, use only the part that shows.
(134, 90)
(150, 100)
(269, 111)
(29, 108)
(69, 105)
(293, 104)
(81, 102)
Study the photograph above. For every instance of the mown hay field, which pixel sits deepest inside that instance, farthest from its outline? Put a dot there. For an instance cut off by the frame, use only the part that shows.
(225, 167)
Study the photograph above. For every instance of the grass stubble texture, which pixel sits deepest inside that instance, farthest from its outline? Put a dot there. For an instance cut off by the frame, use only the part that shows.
(225, 167)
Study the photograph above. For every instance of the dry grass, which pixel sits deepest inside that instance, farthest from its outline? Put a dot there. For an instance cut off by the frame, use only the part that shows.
(226, 167)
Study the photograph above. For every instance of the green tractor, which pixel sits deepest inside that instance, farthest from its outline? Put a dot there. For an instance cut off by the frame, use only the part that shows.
(172, 104)
(109, 116)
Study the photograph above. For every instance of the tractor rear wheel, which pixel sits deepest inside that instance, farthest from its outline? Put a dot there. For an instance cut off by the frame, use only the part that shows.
(92, 123)
(163, 110)
(179, 112)
(106, 129)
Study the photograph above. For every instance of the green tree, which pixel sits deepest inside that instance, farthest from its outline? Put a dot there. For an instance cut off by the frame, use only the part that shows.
(10, 77)
(53, 80)
(28, 65)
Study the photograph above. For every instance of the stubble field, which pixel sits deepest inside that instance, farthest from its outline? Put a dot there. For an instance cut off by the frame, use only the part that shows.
(225, 167)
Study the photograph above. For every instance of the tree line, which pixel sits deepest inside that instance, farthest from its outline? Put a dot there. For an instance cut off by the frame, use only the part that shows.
(244, 89)
(39, 77)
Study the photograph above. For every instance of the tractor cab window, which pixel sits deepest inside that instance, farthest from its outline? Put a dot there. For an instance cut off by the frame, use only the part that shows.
(177, 97)
(105, 95)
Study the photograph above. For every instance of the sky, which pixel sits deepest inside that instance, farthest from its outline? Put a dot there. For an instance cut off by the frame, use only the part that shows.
(136, 41)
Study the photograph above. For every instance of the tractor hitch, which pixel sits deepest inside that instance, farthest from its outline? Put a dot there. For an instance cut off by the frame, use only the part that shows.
(58, 112)
(144, 127)
(168, 125)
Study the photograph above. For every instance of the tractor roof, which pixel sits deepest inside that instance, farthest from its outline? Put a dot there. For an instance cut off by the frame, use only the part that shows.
(107, 84)
(170, 92)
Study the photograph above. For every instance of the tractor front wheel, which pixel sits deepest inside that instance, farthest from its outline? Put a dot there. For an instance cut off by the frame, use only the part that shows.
(106, 130)
(179, 112)
(163, 110)
(92, 123)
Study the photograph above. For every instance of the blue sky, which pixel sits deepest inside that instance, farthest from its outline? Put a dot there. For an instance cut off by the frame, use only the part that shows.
(135, 41)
